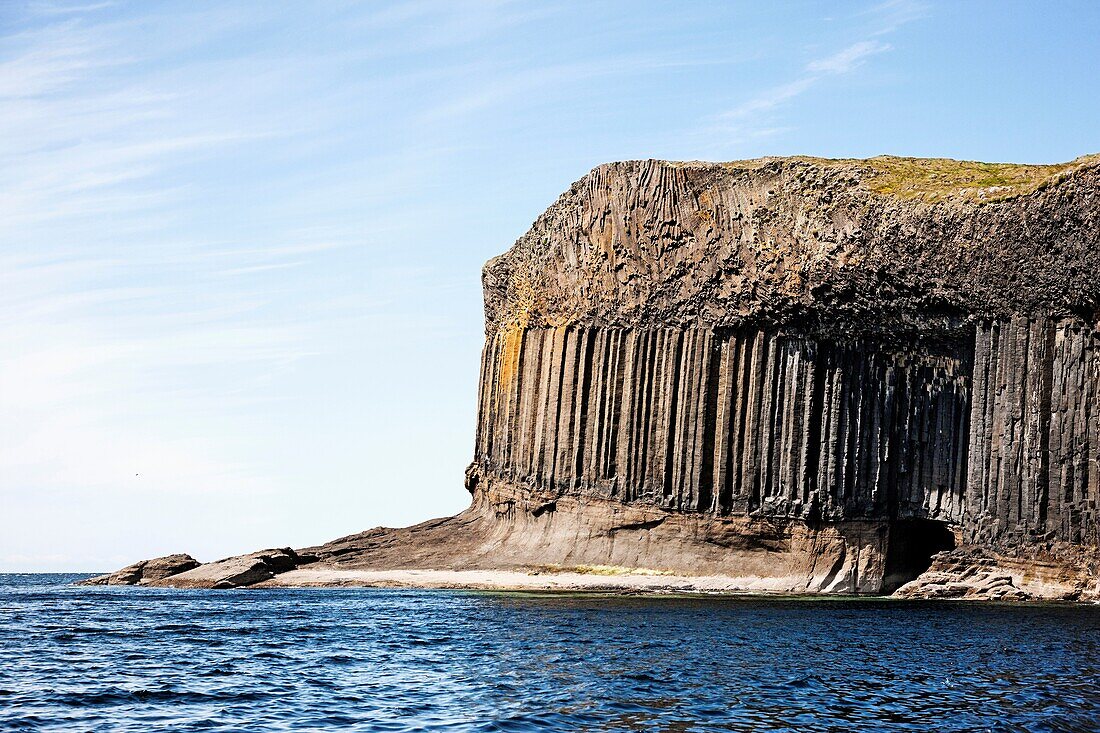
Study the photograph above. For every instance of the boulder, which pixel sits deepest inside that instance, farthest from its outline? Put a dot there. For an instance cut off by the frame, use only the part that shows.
(147, 571)
(237, 572)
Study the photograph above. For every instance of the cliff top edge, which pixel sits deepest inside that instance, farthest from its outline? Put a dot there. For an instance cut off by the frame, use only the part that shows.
(887, 246)
(924, 179)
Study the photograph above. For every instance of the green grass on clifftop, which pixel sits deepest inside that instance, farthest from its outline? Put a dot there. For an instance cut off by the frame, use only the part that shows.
(935, 179)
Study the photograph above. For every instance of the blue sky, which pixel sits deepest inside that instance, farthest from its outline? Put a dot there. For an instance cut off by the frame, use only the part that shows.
(240, 243)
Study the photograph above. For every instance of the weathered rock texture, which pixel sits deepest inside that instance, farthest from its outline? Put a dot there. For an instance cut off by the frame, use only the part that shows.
(807, 375)
(1033, 573)
(146, 571)
(779, 340)
(235, 572)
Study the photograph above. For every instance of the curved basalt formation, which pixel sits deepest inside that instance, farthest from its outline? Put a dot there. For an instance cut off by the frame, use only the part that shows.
(803, 375)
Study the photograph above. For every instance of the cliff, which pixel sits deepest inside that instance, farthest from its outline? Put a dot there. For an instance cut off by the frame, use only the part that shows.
(890, 341)
(809, 375)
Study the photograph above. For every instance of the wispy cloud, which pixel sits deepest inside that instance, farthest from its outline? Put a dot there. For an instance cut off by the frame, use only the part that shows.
(196, 209)
(842, 62)
(846, 60)
(754, 118)
(887, 17)
(46, 8)
(770, 99)
(509, 85)
(106, 294)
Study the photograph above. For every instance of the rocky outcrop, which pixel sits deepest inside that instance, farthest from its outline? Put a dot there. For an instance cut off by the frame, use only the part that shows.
(962, 575)
(146, 571)
(806, 375)
(809, 245)
(728, 423)
(976, 573)
(184, 571)
(236, 572)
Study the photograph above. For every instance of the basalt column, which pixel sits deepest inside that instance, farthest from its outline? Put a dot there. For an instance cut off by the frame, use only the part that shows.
(727, 423)
(1034, 467)
(786, 354)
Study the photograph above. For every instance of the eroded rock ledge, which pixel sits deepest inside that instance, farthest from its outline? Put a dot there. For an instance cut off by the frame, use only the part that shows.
(800, 375)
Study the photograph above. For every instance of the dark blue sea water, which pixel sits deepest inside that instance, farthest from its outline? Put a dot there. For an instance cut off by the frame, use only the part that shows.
(124, 659)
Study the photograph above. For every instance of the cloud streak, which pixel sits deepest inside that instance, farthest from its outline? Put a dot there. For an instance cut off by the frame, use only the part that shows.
(108, 308)
(847, 59)
(753, 118)
(202, 218)
(842, 62)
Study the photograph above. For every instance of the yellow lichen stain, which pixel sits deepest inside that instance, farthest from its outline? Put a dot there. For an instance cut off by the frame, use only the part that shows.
(703, 212)
(521, 300)
(510, 346)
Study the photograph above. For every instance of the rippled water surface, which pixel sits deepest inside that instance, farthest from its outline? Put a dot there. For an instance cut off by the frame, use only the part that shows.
(123, 659)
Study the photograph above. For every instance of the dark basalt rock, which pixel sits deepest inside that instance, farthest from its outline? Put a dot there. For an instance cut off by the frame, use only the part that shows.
(803, 244)
(778, 339)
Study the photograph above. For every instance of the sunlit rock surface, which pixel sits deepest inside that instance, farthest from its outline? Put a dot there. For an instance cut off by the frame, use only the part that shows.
(811, 375)
(147, 571)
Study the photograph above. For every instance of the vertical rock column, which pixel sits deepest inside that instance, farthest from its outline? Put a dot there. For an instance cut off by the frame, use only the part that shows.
(726, 423)
(1034, 464)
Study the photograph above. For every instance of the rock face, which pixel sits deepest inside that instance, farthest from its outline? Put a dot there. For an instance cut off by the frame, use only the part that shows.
(805, 375)
(781, 340)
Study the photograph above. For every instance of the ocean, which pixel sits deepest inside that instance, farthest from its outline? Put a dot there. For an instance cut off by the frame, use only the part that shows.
(128, 659)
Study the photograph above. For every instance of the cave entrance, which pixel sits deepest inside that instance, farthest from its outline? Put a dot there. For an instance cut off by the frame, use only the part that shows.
(912, 543)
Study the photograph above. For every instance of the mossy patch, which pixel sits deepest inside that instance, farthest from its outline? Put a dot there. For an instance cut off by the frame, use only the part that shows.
(935, 179)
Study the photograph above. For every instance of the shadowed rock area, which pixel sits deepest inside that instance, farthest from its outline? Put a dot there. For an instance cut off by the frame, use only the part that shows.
(799, 375)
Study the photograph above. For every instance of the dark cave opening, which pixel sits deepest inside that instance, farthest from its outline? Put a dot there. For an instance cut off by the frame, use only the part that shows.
(912, 543)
